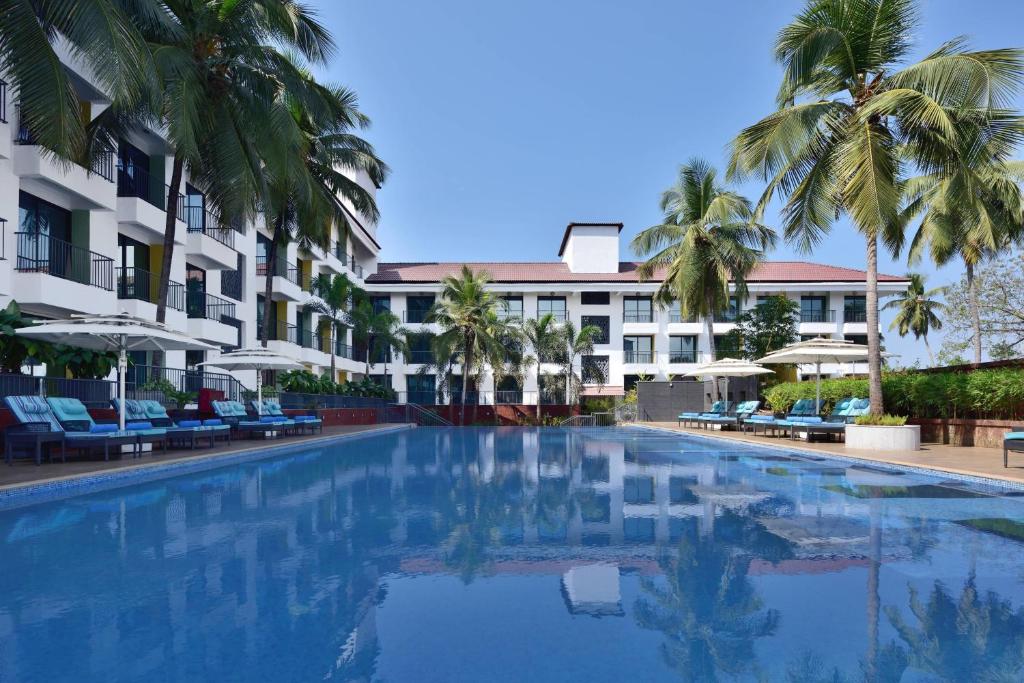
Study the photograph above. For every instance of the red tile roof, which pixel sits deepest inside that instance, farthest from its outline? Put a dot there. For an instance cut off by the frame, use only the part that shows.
(556, 271)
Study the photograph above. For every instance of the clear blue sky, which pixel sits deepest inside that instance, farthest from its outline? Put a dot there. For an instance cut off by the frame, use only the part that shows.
(504, 121)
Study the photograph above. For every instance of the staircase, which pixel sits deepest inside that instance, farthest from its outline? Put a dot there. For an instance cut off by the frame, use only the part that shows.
(410, 412)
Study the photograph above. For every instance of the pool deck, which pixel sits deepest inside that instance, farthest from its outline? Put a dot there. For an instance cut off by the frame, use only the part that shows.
(966, 460)
(24, 472)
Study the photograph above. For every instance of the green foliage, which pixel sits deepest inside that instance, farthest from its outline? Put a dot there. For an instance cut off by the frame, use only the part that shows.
(767, 327)
(305, 382)
(881, 420)
(15, 350)
(992, 394)
(83, 363)
(170, 392)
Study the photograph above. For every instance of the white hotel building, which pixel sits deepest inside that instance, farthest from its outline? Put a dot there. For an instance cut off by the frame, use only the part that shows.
(81, 240)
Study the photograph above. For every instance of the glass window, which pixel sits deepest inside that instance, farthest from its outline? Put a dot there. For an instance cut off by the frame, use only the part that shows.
(814, 309)
(380, 302)
(731, 313)
(555, 305)
(602, 322)
(595, 298)
(513, 307)
(637, 309)
(195, 209)
(638, 490)
(638, 349)
(725, 347)
(416, 307)
(676, 314)
(133, 172)
(682, 349)
(381, 380)
(419, 348)
(855, 309)
(857, 338)
(679, 490)
(421, 389)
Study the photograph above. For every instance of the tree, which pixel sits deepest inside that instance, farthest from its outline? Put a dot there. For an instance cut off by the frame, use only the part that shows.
(767, 327)
(850, 121)
(333, 297)
(543, 336)
(467, 313)
(575, 344)
(999, 292)
(917, 311)
(707, 239)
(375, 330)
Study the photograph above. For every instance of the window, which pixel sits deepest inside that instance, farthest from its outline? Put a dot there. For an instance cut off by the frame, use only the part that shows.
(552, 389)
(857, 338)
(638, 349)
(380, 302)
(231, 280)
(638, 529)
(381, 380)
(555, 305)
(595, 469)
(596, 298)
(455, 389)
(725, 347)
(629, 382)
(855, 309)
(637, 309)
(676, 314)
(195, 209)
(195, 291)
(679, 491)
(731, 313)
(508, 390)
(682, 349)
(594, 369)
(638, 490)
(44, 240)
(421, 389)
(419, 348)
(814, 309)
(601, 322)
(416, 307)
(133, 174)
(513, 307)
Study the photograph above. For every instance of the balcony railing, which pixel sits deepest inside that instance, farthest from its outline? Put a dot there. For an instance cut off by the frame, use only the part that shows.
(638, 357)
(141, 285)
(729, 316)
(289, 271)
(202, 220)
(726, 352)
(40, 253)
(420, 356)
(3, 101)
(508, 396)
(817, 316)
(3, 239)
(101, 162)
(209, 306)
(638, 317)
(286, 333)
(135, 181)
(682, 357)
(306, 339)
(677, 317)
(557, 316)
(855, 316)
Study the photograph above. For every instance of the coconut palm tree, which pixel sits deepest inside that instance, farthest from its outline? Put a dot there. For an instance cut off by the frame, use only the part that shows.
(467, 313)
(917, 311)
(375, 330)
(333, 296)
(707, 239)
(575, 344)
(543, 336)
(850, 120)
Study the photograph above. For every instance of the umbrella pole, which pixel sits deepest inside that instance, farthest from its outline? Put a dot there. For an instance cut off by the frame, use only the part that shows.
(259, 393)
(122, 369)
(817, 389)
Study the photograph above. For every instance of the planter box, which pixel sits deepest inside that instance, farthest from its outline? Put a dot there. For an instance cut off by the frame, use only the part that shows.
(871, 438)
(965, 431)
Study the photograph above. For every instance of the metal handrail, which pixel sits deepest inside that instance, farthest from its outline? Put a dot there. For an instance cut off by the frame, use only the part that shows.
(3, 101)
(420, 415)
(201, 220)
(3, 239)
(209, 306)
(638, 317)
(638, 356)
(579, 421)
(817, 316)
(41, 253)
(141, 285)
(855, 316)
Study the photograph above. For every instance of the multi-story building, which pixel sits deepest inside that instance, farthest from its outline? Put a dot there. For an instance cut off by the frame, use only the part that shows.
(76, 240)
(589, 285)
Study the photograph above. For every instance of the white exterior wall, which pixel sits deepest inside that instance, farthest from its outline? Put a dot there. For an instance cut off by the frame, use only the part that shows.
(592, 248)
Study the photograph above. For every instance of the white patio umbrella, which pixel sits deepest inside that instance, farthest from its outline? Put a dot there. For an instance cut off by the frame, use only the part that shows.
(729, 367)
(257, 359)
(121, 333)
(817, 351)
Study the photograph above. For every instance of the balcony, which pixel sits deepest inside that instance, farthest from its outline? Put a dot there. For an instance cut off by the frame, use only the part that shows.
(510, 396)
(137, 293)
(5, 265)
(817, 316)
(348, 260)
(5, 138)
(639, 357)
(79, 187)
(855, 316)
(210, 244)
(141, 206)
(557, 316)
(682, 357)
(58, 276)
(817, 322)
(286, 283)
(210, 318)
(638, 317)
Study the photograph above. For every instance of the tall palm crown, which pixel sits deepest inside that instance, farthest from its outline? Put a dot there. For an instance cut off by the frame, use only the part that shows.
(375, 329)
(708, 239)
(544, 337)
(332, 297)
(850, 121)
(467, 313)
(577, 344)
(917, 311)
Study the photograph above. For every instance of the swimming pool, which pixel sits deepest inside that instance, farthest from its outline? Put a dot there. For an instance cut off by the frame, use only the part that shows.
(441, 554)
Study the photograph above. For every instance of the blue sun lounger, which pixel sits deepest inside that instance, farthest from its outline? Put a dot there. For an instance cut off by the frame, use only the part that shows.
(805, 407)
(74, 417)
(185, 432)
(233, 413)
(1012, 441)
(845, 412)
(272, 408)
(744, 409)
(718, 408)
(34, 416)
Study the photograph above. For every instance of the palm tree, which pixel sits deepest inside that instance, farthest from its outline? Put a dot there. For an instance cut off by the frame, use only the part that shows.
(543, 336)
(917, 311)
(333, 297)
(468, 315)
(375, 330)
(576, 344)
(305, 190)
(708, 237)
(850, 120)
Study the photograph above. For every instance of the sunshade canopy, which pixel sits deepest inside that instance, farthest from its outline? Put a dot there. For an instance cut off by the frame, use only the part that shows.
(818, 350)
(729, 367)
(254, 359)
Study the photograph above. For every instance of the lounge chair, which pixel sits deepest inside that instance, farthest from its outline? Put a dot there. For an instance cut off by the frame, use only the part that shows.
(34, 416)
(272, 408)
(805, 407)
(233, 414)
(74, 417)
(744, 409)
(845, 412)
(184, 432)
(1012, 441)
(717, 408)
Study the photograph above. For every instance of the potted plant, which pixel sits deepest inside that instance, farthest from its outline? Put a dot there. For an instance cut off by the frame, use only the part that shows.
(883, 433)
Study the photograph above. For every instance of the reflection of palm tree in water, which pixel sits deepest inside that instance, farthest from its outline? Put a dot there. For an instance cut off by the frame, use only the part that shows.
(707, 608)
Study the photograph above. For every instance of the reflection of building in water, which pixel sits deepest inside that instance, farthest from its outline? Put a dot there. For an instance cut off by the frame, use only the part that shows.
(593, 589)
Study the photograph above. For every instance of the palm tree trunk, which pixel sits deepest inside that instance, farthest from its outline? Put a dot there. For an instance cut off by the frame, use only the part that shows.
(467, 358)
(709, 323)
(928, 348)
(972, 302)
(170, 224)
(334, 345)
(874, 342)
(268, 281)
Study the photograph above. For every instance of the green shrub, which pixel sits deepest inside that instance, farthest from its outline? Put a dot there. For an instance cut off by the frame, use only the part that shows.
(882, 420)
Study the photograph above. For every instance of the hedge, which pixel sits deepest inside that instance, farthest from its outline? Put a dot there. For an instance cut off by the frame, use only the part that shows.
(985, 394)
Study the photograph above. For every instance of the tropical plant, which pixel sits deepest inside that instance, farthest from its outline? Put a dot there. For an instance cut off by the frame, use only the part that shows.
(917, 311)
(376, 331)
(333, 295)
(14, 348)
(179, 398)
(543, 336)
(708, 238)
(767, 327)
(467, 313)
(576, 344)
(850, 120)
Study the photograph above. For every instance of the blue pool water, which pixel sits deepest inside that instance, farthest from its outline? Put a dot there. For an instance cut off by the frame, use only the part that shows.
(519, 555)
